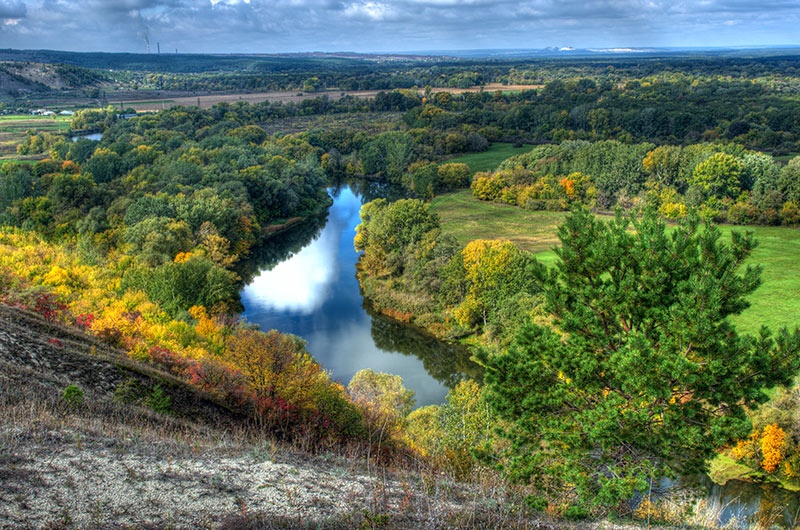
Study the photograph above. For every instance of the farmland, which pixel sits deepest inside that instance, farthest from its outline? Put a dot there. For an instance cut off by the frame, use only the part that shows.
(13, 130)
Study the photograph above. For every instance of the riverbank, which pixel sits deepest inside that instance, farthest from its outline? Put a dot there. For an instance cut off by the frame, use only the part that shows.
(391, 280)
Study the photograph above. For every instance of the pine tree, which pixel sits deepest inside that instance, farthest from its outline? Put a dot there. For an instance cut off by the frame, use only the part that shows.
(642, 375)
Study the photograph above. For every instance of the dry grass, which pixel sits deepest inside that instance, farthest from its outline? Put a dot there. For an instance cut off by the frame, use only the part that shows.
(103, 465)
(104, 462)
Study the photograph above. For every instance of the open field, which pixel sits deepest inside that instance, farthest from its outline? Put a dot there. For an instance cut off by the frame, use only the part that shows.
(296, 96)
(145, 100)
(491, 158)
(25, 122)
(14, 127)
(467, 218)
(775, 304)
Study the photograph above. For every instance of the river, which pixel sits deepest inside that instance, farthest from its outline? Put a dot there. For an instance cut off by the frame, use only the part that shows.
(311, 291)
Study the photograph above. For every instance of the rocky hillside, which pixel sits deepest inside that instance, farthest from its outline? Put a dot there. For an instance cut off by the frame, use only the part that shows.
(100, 455)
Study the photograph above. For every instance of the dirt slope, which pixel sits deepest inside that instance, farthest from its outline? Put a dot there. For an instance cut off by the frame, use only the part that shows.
(106, 464)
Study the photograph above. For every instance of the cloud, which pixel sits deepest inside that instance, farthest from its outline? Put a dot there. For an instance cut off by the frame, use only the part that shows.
(301, 283)
(12, 10)
(375, 11)
(390, 25)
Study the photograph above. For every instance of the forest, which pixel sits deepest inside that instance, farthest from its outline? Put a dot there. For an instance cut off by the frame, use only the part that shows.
(611, 366)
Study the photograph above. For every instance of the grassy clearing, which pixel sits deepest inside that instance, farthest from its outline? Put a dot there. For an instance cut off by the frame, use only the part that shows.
(775, 304)
(785, 158)
(467, 218)
(489, 159)
(13, 129)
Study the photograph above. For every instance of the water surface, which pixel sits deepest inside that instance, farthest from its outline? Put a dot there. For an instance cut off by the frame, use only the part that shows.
(314, 293)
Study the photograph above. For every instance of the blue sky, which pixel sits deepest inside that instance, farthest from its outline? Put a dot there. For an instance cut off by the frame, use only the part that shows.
(269, 26)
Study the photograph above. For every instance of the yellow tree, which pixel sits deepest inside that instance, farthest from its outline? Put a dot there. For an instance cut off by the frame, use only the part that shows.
(384, 403)
(495, 271)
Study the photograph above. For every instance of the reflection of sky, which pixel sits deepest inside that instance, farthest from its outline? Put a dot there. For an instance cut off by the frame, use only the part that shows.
(300, 283)
(315, 294)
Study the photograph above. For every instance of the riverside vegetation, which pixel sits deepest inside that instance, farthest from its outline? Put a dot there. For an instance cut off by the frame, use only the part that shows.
(613, 366)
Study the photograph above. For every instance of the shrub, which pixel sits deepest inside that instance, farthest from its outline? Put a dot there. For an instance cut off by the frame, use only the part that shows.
(158, 400)
(73, 396)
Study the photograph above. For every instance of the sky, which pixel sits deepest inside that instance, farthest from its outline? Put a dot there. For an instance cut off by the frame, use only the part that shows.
(285, 26)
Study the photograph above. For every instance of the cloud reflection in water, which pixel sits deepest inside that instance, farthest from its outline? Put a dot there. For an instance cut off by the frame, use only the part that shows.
(301, 283)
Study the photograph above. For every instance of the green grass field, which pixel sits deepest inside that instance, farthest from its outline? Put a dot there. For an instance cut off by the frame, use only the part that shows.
(490, 158)
(467, 218)
(775, 304)
(20, 123)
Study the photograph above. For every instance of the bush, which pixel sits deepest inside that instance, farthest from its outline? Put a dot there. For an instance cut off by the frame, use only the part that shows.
(73, 396)
(158, 400)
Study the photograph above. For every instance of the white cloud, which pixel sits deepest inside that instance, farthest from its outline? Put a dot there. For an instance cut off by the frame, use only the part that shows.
(375, 11)
(229, 2)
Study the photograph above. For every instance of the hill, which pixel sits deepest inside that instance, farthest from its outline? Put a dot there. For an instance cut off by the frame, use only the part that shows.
(107, 459)
(19, 79)
(15, 83)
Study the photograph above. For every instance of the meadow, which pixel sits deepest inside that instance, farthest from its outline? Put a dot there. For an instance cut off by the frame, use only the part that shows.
(776, 303)
(491, 158)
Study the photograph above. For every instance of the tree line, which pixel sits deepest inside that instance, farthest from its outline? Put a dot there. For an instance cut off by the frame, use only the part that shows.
(724, 181)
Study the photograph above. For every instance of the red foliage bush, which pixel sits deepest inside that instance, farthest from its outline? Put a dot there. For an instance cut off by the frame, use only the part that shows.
(48, 306)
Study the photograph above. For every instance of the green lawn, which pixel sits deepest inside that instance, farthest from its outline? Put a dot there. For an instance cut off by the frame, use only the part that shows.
(467, 218)
(775, 304)
(489, 159)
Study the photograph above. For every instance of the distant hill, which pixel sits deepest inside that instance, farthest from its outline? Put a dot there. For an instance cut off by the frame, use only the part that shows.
(20, 78)
(189, 63)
